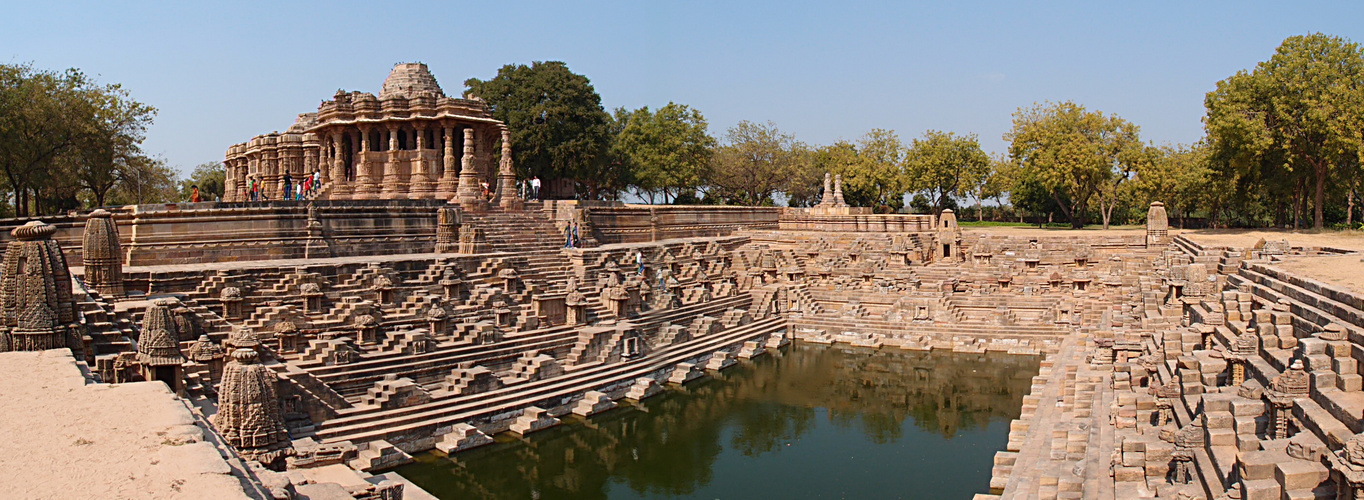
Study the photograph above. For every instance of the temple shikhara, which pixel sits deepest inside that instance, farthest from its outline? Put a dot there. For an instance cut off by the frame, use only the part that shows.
(268, 346)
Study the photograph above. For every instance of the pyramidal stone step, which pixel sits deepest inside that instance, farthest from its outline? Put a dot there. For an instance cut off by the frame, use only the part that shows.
(462, 437)
(643, 388)
(533, 419)
(593, 402)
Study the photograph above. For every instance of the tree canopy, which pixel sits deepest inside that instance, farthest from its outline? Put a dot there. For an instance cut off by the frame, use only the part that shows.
(945, 164)
(558, 126)
(668, 150)
(754, 163)
(1071, 153)
(64, 137)
(1295, 118)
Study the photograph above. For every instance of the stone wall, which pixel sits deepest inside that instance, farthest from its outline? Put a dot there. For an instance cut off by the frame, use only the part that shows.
(223, 232)
(641, 223)
(805, 220)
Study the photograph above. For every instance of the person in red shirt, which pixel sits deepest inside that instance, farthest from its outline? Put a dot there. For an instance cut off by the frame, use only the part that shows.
(195, 198)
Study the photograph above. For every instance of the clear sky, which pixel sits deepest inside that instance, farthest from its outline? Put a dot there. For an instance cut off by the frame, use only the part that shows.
(222, 72)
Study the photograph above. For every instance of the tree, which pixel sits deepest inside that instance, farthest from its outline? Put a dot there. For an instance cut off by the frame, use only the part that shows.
(1296, 114)
(754, 163)
(806, 186)
(559, 129)
(1177, 175)
(62, 134)
(668, 150)
(211, 178)
(145, 180)
(946, 164)
(876, 177)
(1072, 154)
(111, 140)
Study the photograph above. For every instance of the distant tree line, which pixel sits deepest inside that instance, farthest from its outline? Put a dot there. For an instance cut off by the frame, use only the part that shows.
(1283, 146)
(68, 142)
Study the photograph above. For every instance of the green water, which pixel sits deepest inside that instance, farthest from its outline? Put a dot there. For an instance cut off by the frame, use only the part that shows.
(811, 422)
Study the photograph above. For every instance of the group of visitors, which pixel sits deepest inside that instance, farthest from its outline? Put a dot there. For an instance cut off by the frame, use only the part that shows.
(530, 188)
(255, 189)
(571, 238)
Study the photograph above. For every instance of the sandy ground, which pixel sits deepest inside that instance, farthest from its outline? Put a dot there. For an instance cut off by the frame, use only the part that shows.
(1341, 270)
(1243, 238)
(1033, 231)
(62, 438)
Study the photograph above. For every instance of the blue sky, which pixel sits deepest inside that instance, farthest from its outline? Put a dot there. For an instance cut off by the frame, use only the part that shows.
(221, 72)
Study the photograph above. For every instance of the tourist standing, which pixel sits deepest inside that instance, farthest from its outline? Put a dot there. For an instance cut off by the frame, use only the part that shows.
(535, 187)
(194, 196)
(577, 242)
(568, 236)
(288, 185)
(639, 259)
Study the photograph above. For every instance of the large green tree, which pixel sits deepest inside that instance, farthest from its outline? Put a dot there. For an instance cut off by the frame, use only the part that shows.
(945, 164)
(876, 177)
(62, 135)
(755, 162)
(668, 150)
(559, 128)
(1295, 117)
(1073, 155)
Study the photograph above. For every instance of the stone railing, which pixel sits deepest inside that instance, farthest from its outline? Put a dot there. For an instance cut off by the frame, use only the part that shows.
(188, 233)
(804, 220)
(640, 223)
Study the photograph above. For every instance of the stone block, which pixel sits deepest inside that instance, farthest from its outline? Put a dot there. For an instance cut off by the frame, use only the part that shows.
(1159, 452)
(1259, 489)
(1322, 379)
(1218, 419)
(1218, 402)
(1344, 365)
(1299, 474)
(1134, 459)
(1312, 346)
(1245, 425)
(1260, 464)
(1130, 474)
(1221, 437)
(1131, 445)
(1243, 407)
(1288, 342)
(1350, 382)
(1317, 362)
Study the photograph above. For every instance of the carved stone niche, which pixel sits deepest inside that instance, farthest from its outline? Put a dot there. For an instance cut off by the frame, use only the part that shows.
(438, 321)
(233, 302)
(312, 297)
(383, 287)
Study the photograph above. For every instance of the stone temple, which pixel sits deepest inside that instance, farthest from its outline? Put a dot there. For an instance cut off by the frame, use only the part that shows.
(300, 349)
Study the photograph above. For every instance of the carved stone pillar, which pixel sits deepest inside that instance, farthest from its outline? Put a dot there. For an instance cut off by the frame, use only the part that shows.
(449, 179)
(341, 186)
(421, 185)
(470, 193)
(324, 167)
(506, 185)
(311, 157)
(230, 180)
(270, 164)
(366, 187)
(392, 181)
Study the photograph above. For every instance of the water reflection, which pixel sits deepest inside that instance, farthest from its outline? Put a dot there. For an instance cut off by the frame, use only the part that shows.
(815, 422)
